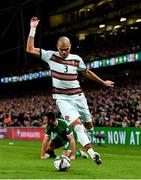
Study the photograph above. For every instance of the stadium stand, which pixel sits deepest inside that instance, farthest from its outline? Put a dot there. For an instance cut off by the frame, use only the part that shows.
(80, 20)
(119, 107)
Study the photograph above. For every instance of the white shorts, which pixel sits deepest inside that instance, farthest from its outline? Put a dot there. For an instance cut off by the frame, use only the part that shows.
(72, 109)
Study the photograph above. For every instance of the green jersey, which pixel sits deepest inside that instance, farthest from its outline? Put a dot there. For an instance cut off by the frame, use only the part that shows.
(61, 131)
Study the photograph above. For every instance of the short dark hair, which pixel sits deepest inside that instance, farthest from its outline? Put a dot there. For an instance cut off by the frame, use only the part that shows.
(50, 115)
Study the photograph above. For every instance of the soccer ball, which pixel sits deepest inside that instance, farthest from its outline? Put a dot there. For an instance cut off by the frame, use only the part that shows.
(62, 163)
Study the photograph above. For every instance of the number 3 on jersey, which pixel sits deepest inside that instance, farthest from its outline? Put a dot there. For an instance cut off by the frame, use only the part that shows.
(66, 69)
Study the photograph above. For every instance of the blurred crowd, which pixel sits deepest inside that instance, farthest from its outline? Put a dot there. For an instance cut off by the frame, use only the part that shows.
(108, 50)
(110, 45)
(117, 107)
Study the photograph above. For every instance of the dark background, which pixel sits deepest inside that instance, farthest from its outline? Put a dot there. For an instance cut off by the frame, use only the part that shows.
(14, 28)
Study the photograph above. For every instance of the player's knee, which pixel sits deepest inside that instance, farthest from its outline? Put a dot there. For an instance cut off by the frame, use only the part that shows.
(50, 147)
(89, 125)
(76, 122)
(79, 128)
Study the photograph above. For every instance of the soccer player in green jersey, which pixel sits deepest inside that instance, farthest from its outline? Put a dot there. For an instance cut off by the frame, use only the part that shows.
(59, 134)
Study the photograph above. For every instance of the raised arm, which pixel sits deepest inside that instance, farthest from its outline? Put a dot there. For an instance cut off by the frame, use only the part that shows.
(89, 74)
(30, 41)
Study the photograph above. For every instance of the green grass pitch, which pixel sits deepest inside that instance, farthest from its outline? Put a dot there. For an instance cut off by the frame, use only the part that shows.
(21, 160)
